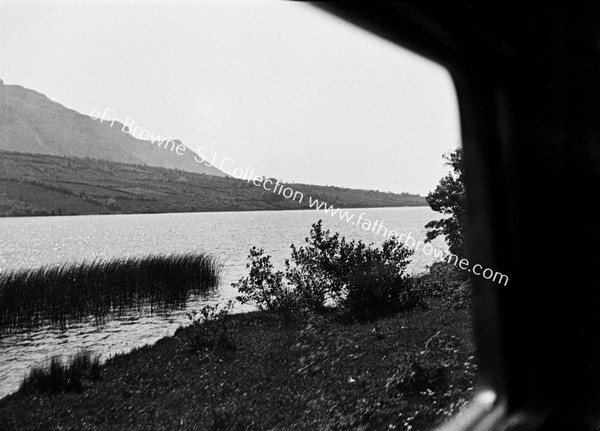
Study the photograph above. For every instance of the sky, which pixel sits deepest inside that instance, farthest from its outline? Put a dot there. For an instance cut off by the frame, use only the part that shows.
(279, 87)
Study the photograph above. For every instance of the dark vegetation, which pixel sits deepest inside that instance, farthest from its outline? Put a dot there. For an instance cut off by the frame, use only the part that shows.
(449, 198)
(345, 340)
(209, 329)
(57, 375)
(407, 371)
(78, 291)
(37, 185)
(446, 282)
(318, 356)
(355, 280)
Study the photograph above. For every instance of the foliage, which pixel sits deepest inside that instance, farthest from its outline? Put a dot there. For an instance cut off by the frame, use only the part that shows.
(210, 328)
(378, 287)
(268, 290)
(265, 287)
(361, 281)
(445, 281)
(449, 198)
(322, 375)
(315, 269)
(57, 376)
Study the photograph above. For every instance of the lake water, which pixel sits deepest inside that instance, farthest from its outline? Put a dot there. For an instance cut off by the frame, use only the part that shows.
(35, 241)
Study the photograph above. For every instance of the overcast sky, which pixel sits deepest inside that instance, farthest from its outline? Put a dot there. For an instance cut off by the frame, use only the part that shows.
(279, 87)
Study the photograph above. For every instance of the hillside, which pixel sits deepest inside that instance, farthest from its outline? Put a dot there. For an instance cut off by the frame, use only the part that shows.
(32, 123)
(33, 184)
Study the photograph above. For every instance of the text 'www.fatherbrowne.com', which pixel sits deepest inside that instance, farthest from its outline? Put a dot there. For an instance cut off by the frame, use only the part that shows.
(377, 227)
(278, 187)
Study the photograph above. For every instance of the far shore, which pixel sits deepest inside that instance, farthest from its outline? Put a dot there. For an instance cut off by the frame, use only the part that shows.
(225, 211)
(84, 186)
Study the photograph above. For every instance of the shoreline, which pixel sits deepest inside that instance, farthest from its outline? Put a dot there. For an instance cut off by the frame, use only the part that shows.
(307, 376)
(233, 210)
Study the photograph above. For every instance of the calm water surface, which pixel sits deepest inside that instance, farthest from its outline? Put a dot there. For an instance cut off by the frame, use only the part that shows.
(32, 242)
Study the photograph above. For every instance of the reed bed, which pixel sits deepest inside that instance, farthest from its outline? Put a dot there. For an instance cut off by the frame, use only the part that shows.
(98, 289)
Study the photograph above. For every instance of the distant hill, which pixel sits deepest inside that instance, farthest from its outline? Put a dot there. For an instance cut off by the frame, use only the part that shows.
(34, 184)
(54, 160)
(32, 123)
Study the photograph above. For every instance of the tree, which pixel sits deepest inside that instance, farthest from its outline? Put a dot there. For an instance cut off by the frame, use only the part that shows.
(449, 198)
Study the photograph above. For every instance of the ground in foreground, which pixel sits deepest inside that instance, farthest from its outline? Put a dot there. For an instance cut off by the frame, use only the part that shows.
(406, 372)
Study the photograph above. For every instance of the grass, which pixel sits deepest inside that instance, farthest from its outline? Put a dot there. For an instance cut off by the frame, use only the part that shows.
(39, 184)
(408, 371)
(56, 375)
(95, 290)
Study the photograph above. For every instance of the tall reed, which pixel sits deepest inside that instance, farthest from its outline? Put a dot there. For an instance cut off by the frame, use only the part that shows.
(57, 295)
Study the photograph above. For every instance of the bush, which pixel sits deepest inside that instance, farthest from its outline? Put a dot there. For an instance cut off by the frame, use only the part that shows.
(58, 376)
(375, 291)
(210, 328)
(263, 287)
(362, 282)
(378, 287)
(446, 281)
(319, 269)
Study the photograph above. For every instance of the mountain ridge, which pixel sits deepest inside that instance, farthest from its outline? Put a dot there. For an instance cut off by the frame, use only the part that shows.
(31, 122)
(55, 160)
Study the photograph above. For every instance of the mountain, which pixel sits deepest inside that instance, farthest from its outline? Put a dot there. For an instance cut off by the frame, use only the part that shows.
(54, 160)
(32, 123)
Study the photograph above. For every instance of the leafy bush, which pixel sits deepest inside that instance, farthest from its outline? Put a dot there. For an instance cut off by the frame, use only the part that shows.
(263, 287)
(57, 376)
(378, 287)
(375, 291)
(210, 328)
(360, 281)
(318, 269)
(444, 280)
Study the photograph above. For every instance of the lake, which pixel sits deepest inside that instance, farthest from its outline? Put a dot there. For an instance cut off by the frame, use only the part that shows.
(35, 241)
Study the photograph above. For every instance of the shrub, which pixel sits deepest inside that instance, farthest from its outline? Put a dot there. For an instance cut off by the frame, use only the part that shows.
(375, 291)
(444, 280)
(363, 282)
(263, 287)
(378, 287)
(210, 328)
(58, 376)
(319, 269)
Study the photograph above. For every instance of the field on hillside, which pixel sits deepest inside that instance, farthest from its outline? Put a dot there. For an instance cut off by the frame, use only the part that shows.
(33, 185)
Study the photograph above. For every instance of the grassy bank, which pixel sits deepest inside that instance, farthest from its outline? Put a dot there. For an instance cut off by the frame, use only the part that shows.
(403, 372)
(99, 289)
(57, 375)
